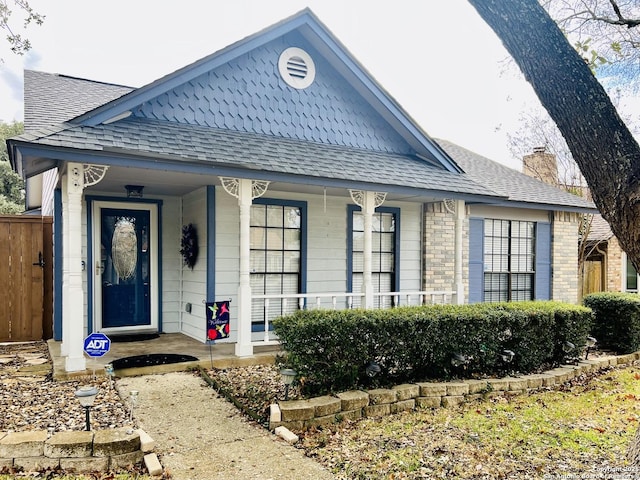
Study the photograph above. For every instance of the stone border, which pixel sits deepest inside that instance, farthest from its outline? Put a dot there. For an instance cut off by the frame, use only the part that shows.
(78, 451)
(300, 415)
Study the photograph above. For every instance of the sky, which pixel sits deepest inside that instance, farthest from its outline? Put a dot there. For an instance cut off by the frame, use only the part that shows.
(438, 59)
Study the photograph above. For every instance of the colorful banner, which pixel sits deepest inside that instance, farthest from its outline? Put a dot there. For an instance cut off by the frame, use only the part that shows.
(217, 320)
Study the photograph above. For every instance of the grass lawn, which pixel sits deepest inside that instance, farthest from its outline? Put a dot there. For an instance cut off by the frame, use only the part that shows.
(578, 430)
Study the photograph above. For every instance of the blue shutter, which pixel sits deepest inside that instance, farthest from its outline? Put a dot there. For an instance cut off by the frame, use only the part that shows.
(476, 260)
(543, 261)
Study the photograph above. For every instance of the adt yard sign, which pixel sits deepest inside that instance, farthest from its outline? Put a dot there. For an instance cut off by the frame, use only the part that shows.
(97, 344)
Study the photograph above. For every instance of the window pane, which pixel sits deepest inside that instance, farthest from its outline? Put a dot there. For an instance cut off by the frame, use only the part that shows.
(257, 237)
(274, 216)
(292, 239)
(291, 262)
(289, 283)
(258, 215)
(386, 262)
(257, 284)
(257, 262)
(274, 239)
(632, 276)
(387, 222)
(291, 217)
(358, 241)
(387, 242)
(274, 262)
(358, 262)
(521, 287)
(358, 222)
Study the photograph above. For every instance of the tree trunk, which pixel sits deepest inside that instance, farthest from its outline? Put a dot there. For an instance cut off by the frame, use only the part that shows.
(601, 144)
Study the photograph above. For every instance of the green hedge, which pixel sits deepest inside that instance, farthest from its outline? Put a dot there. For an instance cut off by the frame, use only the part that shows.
(330, 349)
(617, 320)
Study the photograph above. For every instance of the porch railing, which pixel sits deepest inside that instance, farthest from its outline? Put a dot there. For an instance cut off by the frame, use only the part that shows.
(343, 301)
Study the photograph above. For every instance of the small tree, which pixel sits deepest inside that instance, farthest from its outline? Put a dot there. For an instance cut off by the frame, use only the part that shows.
(19, 44)
(11, 185)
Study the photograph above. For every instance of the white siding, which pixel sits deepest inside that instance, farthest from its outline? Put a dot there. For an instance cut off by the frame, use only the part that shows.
(171, 262)
(194, 282)
(49, 182)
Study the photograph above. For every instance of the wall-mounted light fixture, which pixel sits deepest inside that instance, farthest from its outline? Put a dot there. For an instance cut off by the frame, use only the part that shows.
(134, 191)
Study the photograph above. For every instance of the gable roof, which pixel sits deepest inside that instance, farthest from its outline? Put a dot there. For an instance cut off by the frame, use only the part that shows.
(326, 44)
(516, 188)
(51, 98)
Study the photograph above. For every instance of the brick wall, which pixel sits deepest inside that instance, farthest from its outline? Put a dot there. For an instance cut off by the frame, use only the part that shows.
(439, 248)
(565, 257)
(615, 270)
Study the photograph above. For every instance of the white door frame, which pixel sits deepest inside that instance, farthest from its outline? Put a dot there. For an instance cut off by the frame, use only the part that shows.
(96, 270)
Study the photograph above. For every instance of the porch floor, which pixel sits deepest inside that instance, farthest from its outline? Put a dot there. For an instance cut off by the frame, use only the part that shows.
(219, 356)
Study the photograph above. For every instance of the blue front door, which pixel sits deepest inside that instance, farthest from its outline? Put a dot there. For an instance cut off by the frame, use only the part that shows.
(125, 252)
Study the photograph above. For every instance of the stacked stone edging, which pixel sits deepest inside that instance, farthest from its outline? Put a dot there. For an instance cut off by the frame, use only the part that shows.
(75, 451)
(300, 415)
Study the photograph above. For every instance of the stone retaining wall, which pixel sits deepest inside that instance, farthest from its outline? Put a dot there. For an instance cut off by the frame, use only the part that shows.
(79, 452)
(299, 415)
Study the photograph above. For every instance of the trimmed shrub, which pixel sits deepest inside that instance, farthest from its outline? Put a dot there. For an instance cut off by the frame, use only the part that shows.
(330, 349)
(617, 320)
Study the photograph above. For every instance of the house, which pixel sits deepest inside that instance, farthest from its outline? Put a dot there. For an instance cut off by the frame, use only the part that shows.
(302, 183)
(604, 265)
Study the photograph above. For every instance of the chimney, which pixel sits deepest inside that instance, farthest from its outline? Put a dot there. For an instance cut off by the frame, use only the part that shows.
(541, 165)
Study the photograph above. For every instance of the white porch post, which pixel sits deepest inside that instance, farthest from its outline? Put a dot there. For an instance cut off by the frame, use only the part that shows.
(245, 190)
(368, 201)
(457, 275)
(66, 328)
(244, 347)
(72, 313)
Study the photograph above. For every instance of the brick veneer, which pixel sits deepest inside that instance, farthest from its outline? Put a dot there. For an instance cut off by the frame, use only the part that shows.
(439, 248)
(565, 257)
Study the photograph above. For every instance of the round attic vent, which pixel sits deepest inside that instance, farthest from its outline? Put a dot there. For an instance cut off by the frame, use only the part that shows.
(296, 68)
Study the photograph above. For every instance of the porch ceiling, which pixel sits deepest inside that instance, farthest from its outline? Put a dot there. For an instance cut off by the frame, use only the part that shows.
(158, 182)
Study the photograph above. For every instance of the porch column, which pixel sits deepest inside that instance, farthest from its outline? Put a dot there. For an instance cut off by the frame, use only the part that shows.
(457, 269)
(245, 190)
(368, 201)
(73, 306)
(66, 328)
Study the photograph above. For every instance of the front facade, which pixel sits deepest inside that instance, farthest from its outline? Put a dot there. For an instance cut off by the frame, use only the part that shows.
(301, 182)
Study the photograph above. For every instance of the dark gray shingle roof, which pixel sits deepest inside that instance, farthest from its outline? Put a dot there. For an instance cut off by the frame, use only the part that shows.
(599, 230)
(189, 143)
(514, 185)
(50, 98)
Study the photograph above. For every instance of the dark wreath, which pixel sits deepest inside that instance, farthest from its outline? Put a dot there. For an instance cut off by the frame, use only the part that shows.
(189, 244)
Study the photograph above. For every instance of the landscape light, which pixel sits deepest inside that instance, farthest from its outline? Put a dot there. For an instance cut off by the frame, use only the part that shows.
(459, 360)
(591, 342)
(507, 356)
(372, 369)
(288, 376)
(86, 395)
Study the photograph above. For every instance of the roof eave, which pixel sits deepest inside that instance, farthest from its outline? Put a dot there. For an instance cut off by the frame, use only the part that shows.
(49, 156)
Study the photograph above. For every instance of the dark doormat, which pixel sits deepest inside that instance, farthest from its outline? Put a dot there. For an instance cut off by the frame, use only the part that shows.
(150, 360)
(133, 337)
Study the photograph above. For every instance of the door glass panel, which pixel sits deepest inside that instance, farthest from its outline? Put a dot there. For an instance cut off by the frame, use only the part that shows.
(125, 264)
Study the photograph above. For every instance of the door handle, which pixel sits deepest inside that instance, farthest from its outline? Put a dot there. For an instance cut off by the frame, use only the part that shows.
(40, 261)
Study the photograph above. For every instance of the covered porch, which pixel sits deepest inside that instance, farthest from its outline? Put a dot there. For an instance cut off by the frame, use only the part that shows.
(219, 355)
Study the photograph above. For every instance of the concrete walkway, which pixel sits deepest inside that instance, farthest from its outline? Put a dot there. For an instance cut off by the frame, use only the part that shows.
(201, 436)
